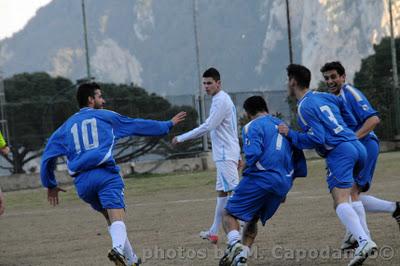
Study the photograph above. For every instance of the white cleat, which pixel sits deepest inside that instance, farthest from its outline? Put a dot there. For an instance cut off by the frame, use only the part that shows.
(362, 252)
(207, 235)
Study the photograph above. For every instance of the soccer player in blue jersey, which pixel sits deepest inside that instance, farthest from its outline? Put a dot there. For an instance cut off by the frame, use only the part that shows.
(267, 178)
(320, 117)
(367, 119)
(87, 139)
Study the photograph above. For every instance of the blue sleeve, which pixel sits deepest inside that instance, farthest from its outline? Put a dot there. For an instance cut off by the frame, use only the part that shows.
(346, 114)
(315, 133)
(54, 148)
(362, 108)
(124, 126)
(253, 144)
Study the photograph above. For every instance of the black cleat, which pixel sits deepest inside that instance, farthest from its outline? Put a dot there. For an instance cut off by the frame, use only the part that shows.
(117, 257)
(230, 253)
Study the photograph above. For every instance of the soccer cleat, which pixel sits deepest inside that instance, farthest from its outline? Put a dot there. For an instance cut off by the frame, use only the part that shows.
(396, 213)
(239, 260)
(207, 235)
(362, 253)
(348, 242)
(231, 252)
(117, 257)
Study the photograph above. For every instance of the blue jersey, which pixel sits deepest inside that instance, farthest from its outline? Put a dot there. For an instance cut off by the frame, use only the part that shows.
(87, 139)
(359, 106)
(268, 155)
(322, 118)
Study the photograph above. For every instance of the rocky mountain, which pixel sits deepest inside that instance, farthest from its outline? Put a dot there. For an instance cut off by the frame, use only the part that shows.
(151, 42)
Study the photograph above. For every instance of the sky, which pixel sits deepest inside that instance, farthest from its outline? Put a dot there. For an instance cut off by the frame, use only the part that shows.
(14, 14)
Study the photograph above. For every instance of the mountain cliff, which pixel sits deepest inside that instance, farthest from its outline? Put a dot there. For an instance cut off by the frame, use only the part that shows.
(151, 42)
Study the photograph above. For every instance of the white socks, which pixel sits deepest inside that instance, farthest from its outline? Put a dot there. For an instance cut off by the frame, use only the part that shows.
(219, 210)
(351, 221)
(233, 236)
(118, 235)
(359, 208)
(129, 253)
(372, 204)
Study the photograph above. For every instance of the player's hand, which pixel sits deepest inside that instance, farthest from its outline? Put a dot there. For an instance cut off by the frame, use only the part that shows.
(5, 150)
(178, 118)
(1, 203)
(175, 141)
(52, 195)
(240, 164)
(283, 129)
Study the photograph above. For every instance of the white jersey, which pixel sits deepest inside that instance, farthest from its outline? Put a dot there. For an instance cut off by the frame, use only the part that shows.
(222, 125)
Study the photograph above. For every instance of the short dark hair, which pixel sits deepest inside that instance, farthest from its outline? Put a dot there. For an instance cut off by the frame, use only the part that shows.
(84, 91)
(300, 73)
(335, 65)
(254, 105)
(212, 73)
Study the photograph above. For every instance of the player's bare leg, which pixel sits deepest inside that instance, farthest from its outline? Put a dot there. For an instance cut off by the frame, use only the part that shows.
(231, 228)
(250, 232)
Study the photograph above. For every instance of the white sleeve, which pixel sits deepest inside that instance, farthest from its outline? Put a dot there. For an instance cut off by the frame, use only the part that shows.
(217, 114)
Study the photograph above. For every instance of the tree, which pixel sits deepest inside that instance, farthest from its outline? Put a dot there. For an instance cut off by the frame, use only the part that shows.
(376, 81)
(27, 97)
(37, 104)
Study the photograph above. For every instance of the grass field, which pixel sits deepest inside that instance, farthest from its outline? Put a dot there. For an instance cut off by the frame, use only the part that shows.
(166, 212)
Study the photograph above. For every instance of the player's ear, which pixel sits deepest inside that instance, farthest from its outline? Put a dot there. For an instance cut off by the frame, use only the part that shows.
(90, 100)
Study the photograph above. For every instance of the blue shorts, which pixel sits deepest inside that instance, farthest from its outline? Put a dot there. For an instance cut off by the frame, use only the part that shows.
(101, 188)
(250, 200)
(344, 164)
(367, 173)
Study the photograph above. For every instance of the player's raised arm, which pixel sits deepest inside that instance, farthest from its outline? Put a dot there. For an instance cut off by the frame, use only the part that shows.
(178, 118)
(124, 126)
(214, 119)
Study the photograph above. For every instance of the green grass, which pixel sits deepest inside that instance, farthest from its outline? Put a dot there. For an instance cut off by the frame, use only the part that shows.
(156, 182)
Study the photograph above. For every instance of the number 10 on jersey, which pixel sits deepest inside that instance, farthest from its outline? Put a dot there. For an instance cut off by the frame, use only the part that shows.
(87, 143)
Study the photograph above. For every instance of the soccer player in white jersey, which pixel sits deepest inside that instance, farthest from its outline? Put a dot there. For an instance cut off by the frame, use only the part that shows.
(222, 126)
(367, 119)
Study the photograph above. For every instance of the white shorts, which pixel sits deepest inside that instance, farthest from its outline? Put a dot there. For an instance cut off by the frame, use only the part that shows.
(227, 175)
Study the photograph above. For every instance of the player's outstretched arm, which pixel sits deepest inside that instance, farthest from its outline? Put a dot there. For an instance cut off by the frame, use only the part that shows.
(178, 118)
(52, 195)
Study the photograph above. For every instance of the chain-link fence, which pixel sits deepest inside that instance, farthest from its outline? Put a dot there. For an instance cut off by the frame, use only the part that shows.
(30, 123)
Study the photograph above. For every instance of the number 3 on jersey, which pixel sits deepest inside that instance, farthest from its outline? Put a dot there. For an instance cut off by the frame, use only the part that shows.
(92, 123)
(331, 117)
